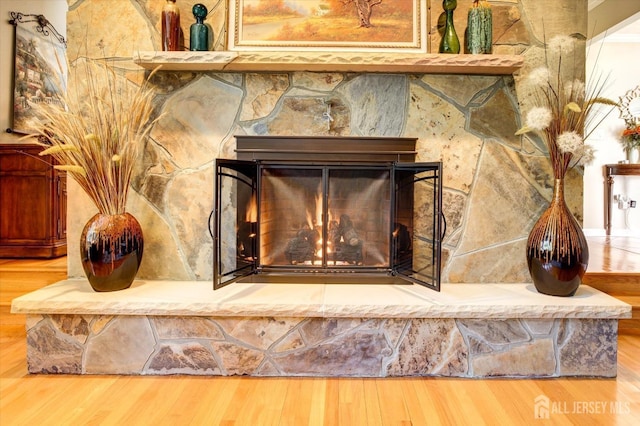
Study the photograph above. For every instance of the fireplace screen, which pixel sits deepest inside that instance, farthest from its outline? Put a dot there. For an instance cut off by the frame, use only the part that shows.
(327, 221)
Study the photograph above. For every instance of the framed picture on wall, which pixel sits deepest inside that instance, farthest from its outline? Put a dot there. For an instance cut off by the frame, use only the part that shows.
(40, 70)
(328, 25)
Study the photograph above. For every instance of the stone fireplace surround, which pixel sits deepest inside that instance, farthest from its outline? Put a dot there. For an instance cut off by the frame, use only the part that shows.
(495, 186)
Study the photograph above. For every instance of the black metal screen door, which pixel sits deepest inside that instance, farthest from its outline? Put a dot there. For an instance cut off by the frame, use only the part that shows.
(235, 223)
(287, 219)
(419, 223)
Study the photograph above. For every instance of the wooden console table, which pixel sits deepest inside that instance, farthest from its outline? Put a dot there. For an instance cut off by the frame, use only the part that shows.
(611, 170)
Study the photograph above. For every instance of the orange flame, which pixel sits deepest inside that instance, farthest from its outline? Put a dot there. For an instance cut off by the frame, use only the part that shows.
(314, 213)
(252, 210)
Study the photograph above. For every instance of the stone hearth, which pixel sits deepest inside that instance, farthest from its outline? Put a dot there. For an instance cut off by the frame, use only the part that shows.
(466, 330)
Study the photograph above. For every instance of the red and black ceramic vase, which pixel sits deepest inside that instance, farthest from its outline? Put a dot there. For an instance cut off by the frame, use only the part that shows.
(557, 250)
(111, 251)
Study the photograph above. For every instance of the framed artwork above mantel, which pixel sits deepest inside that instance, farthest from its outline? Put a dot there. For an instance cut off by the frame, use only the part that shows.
(328, 25)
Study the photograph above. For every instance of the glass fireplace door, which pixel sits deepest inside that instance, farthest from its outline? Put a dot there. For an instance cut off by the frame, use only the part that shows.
(319, 218)
(359, 218)
(419, 224)
(291, 217)
(331, 222)
(235, 221)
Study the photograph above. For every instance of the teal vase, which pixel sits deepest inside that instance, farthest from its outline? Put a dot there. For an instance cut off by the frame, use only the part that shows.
(199, 32)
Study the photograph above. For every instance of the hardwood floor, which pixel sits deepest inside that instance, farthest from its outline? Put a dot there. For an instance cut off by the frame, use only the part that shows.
(188, 400)
(619, 255)
(21, 276)
(614, 267)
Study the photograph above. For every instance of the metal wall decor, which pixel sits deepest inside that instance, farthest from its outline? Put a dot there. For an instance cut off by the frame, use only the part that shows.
(40, 69)
(44, 26)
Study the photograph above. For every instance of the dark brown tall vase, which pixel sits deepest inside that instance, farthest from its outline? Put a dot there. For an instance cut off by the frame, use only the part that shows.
(557, 251)
(111, 251)
(171, 31)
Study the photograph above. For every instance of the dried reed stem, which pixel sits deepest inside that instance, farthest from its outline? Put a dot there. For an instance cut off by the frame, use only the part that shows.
(97, 133)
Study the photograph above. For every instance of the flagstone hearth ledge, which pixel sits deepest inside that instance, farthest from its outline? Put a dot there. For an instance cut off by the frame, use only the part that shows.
(197, 298)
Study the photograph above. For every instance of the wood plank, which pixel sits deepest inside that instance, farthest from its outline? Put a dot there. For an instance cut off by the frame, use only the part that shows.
(216, 395)
(419, 405)
(613, 281)
(352, 403)
(331, 400)
(393, 409)
(297, 410)
(372, 402)
(34, 405)
(318, 401)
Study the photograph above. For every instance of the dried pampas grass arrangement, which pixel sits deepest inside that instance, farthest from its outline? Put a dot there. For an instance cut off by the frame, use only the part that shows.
(95, 134)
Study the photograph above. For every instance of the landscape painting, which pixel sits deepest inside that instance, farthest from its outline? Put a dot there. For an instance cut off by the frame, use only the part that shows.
(40, 77)
(352, 25)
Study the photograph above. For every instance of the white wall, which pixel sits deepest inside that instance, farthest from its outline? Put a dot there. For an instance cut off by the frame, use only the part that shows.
(56, 12)
(618, 59)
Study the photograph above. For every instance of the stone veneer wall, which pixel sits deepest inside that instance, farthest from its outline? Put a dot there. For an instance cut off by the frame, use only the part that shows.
(496, 184)
(329, 347)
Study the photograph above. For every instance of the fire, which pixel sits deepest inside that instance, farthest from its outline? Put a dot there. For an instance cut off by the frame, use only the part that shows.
(314, 213)
(319, 209)
(321, 240)
(252, 211)
(314, 221)
(310, 220)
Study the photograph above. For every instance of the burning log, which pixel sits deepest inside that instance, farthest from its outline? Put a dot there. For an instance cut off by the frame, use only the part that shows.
(347, 243)
(302, 247)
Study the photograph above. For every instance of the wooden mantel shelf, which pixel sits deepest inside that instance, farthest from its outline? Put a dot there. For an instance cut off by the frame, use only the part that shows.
(418, 63)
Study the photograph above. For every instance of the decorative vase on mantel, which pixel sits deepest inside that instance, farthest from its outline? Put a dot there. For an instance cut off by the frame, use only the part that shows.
(479, 37)
(170, 26)
(199, 32)
(111, 251)
(557, 250)
(449, 42)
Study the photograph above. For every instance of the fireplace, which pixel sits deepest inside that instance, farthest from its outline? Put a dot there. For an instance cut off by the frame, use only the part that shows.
(327, 209)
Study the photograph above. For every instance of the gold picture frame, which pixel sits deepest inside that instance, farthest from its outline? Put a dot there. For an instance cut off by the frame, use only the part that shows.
(328, 25)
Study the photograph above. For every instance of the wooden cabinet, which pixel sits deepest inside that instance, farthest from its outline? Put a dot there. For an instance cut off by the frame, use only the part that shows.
(33, 204)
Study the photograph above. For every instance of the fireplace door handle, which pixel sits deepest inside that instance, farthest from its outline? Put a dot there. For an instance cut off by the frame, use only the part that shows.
(209, 223)
(444, 228)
